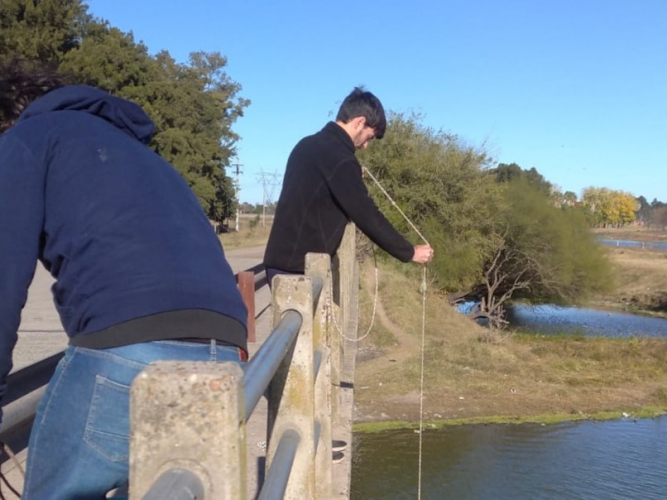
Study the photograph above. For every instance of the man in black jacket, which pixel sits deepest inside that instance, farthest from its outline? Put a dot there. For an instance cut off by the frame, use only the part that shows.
(323, 190)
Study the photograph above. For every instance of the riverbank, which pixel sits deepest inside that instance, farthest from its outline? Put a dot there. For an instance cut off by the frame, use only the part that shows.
(473, 375)
(635, 233)
(641, 282)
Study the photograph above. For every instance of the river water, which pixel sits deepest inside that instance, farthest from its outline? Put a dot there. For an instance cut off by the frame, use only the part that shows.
(614, 460)
(653, 245)
(549, 319)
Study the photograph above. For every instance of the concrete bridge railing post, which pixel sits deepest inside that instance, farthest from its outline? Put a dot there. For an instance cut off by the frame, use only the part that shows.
(291, 398)
(318, 266)
(189, 416)
(349, 287)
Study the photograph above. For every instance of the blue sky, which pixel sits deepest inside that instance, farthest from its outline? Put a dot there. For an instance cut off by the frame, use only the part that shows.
(575, 88)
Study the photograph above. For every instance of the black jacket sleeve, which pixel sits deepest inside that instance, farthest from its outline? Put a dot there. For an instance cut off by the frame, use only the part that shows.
(349, 191)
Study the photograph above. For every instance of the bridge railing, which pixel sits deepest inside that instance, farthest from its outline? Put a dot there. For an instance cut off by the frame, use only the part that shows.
(188, 419)
(293, 368)
(27, 385)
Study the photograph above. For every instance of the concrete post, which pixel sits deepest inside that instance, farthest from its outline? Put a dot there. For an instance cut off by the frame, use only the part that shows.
(189, 415)
(334, 326)
(318, 265)
(291, 392)
(349, 289)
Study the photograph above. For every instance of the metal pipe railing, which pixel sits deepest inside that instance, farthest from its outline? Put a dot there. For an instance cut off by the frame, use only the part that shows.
(263, 365)
(176, 484)
(29, 378)
(20, 411)
(276, 480)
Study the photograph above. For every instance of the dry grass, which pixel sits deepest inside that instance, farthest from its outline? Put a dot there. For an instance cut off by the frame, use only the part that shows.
(641, 280)
(250, 234)
(637, 233)
(468, 377)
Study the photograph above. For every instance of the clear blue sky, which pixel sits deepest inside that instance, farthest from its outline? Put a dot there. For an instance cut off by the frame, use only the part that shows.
(574, 88)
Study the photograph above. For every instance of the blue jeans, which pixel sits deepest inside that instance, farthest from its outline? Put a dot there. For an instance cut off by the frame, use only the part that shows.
(79, 444)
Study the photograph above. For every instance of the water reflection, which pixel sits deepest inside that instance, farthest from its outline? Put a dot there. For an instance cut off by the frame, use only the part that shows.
(551, 319)
(614, 460)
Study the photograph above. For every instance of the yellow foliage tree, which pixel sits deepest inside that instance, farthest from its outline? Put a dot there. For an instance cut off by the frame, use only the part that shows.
(610, 207)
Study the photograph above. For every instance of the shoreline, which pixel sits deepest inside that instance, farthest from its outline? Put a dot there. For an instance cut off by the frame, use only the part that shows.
(374, 427)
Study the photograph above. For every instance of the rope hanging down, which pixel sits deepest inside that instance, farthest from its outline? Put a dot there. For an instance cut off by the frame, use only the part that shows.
(423, 336)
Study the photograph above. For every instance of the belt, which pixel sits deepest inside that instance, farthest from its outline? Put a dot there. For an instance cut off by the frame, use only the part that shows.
(243, 356)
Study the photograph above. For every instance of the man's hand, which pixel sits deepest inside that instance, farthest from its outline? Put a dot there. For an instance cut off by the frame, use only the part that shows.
(423, 254)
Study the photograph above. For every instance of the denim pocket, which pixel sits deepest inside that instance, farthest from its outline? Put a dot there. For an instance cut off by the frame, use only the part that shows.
(108, 427)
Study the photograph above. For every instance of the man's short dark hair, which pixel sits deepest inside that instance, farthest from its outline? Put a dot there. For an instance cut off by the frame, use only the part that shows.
(20, 84)
(360, 102)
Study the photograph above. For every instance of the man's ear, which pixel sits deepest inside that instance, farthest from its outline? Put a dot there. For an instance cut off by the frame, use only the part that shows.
(359, 122)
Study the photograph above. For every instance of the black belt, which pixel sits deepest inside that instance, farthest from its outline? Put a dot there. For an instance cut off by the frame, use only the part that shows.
(199, 341)
(243, 355)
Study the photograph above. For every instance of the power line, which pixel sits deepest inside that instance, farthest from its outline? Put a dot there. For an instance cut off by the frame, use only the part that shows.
(269, 182)
(237, 191)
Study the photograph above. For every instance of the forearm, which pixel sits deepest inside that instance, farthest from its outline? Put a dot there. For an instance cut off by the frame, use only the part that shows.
(352, 196)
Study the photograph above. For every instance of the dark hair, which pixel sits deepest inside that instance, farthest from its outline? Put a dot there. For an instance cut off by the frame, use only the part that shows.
(360, 102)
(20, 84)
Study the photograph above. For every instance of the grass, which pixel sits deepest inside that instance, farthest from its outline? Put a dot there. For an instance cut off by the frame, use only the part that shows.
(641, 281)
(637, 233)
(547, 419)
(522, 377)
(250, 234)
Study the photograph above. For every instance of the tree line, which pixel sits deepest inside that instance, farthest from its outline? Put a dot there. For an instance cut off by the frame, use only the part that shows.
(501, 233)
(193, 104)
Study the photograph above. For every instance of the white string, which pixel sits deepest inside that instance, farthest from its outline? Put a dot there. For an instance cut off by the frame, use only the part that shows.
(395, 205)
(421, 385)
(375, 303)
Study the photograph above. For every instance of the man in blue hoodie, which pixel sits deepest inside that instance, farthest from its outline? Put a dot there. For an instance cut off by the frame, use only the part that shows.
(140, 274)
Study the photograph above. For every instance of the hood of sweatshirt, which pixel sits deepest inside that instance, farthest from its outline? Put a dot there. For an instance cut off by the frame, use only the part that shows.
(126, 115)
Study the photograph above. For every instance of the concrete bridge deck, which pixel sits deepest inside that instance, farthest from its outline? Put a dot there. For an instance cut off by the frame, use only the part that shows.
(41, 334)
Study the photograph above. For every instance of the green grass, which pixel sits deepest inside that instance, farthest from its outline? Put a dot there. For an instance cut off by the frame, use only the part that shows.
(523, 375)
(546, 419)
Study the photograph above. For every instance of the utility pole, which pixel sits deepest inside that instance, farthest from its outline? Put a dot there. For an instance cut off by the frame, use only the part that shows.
(269, 181)
(237, 190)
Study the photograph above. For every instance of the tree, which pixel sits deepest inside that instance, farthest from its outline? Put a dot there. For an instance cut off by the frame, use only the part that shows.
(643, 213)
(569, 199)
(541, 254)
(507, 173)
(659, 217)
(609, 207)
(443, 188)
(40, 30)
(193, 105)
